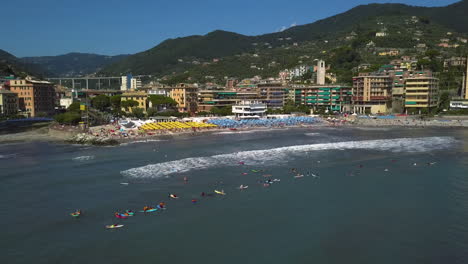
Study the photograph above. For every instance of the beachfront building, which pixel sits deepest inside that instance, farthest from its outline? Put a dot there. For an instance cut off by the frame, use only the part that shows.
(273, 94)
(371, 94)
(34, 97)
(138, 96)
(249, 109)
(8, 103)
(207, 99)
(421, 93)
(329, 97)
(186, 97)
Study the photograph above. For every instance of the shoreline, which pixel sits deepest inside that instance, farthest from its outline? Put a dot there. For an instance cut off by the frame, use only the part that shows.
(70, 135)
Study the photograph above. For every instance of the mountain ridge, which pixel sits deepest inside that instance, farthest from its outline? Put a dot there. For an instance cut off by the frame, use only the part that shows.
(164, 58)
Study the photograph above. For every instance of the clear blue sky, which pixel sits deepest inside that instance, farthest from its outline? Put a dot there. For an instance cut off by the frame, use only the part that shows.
(53, 27)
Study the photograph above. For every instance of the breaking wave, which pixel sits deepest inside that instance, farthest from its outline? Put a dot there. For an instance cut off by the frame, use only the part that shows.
(7, 156)
(248, 131)
(373, 128)
(311, 134)
(282, 154)
(83, 158)
(142, 141)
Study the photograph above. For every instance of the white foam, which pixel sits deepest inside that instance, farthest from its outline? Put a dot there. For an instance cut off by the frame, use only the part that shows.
(248, 131)
(141, 141)
(311, 134)
(7, 156)
(283, 154)
(372, 128)
(83, 158)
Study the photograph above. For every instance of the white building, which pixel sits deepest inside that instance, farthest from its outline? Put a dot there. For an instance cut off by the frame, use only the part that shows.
(130, 83)
(459, 104)
(249, 109)
(65, 102)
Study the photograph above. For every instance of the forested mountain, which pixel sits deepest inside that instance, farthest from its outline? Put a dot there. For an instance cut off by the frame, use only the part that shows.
(72, 64)
(11, 65)
(232, 52)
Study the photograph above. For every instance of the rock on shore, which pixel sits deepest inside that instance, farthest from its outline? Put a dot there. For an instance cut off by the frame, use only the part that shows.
(83, 138)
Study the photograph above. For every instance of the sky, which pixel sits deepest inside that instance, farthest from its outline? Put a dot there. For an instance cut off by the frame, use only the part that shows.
(111, 27)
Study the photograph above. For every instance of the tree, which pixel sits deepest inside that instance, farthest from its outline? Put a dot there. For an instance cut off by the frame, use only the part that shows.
(161, 101)
(69, 118)
(101, 102)
(74, 107)
(152, 111)
(444, 101)
(138, 112)
(127, 104)
(115, 101)
(222, 111)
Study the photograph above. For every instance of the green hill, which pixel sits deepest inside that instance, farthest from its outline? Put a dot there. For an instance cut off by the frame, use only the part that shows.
(195, 53)
(72, 64)
(11, 65)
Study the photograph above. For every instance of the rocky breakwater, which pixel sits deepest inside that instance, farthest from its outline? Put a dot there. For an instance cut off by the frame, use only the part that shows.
(83, 138)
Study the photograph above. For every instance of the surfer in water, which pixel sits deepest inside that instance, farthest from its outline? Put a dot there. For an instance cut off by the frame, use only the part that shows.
(185, 180)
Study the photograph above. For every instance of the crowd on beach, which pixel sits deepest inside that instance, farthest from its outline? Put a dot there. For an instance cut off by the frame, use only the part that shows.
(119, 132)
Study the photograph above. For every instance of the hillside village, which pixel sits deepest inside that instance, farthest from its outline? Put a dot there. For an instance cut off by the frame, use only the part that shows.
(393, 64)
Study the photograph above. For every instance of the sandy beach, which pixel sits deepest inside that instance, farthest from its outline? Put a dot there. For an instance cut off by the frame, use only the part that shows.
(109, 134)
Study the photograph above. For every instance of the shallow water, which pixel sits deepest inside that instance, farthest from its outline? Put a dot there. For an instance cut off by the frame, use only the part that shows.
(370, 203)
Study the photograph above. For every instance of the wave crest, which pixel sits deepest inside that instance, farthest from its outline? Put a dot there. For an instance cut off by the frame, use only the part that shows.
(282, 154)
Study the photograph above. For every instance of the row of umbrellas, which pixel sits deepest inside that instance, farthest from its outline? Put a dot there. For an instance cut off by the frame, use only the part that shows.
(289, 121)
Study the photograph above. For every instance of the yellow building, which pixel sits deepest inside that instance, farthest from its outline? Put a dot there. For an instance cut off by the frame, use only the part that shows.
(8, 103)
(138, 96)
(186, 97)
(421, 92)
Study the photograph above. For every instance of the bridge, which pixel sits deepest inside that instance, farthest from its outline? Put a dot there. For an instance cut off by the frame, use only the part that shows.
(98, 83)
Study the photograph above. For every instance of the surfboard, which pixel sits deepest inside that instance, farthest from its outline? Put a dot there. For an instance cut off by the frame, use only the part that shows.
(113, 226)
(149, 211)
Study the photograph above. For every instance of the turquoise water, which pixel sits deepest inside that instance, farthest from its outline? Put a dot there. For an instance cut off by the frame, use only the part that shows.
(354, 212)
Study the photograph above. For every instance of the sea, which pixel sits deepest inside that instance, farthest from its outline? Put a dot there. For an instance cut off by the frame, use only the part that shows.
(337, 195)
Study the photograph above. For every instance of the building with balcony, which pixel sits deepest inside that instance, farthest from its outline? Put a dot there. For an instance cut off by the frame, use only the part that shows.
(330, 97)
(371, 94)
(421, 92)
(273, 94)
(249, 109)
(34, 97)
(207, 99)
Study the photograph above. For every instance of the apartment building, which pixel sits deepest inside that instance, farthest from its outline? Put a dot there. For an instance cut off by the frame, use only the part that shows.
(331, 97)
(371, 94)
(421, 92)
(186, 97)
(34, 97)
